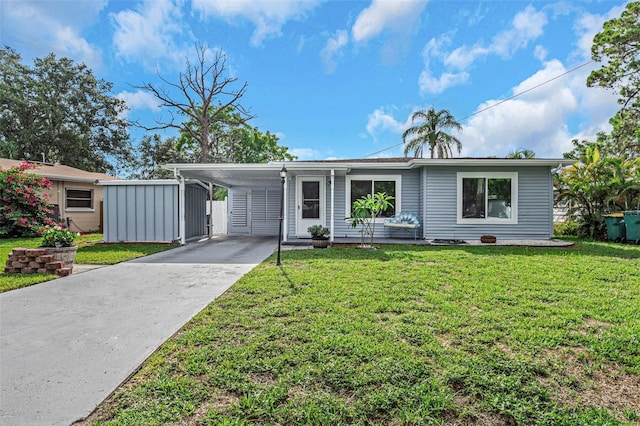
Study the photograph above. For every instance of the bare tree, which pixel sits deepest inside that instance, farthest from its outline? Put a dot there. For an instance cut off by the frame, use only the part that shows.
(206, 98)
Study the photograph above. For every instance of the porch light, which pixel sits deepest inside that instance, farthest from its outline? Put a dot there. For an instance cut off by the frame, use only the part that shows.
(283, 177)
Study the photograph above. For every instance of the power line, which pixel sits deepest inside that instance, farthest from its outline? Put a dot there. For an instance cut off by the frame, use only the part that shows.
(500, 102)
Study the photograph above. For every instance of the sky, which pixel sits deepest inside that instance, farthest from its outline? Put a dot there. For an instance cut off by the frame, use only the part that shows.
(340, 79)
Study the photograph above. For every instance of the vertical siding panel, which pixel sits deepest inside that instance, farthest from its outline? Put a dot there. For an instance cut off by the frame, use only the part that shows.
(140, 213)
(291, 207)
(158, 206)
(171, 208)
(150, 213)
(121, 234)
(111, 216)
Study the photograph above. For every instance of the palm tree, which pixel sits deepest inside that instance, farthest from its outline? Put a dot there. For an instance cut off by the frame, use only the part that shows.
(521, 153)
(432, 133)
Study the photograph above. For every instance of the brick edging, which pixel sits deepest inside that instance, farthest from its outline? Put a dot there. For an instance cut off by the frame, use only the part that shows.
(35, 261)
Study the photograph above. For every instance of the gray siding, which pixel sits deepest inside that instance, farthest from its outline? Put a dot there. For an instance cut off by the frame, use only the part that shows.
(410, 200)
(141, 213)
(534, 205)
(195, 211)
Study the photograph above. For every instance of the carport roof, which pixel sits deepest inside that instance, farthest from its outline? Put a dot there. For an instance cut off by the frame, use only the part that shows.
(232, 175)
(250, 175)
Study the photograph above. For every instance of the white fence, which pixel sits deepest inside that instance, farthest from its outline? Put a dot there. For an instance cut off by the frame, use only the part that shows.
(217, 213)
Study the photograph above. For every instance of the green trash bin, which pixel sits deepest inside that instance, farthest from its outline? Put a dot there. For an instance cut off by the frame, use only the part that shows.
(615, 227)
(632, 224)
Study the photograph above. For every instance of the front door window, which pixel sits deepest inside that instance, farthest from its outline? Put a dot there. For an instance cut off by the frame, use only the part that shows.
(311, 200)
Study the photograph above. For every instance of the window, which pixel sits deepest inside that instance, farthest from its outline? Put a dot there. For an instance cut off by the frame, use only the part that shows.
(360, 186)
(79, 199)
(487, 198)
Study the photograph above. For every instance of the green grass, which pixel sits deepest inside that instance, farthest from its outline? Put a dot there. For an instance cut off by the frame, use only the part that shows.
(90, 251)
(406, 335)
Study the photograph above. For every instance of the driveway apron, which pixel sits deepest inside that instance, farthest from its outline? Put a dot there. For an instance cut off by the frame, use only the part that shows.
(66, 344)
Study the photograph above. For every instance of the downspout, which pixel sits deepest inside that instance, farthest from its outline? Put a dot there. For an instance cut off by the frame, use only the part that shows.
(285, 220)
(424, 202)
(181, 210)
(331, 224)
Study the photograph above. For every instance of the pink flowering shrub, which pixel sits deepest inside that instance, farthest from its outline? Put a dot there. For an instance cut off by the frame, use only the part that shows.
(24, 202)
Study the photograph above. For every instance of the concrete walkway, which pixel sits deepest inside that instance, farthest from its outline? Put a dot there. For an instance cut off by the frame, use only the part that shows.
(66, 344)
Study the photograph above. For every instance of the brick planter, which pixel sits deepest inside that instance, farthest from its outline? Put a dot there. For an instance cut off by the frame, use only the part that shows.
(36, 261)
(63, 254)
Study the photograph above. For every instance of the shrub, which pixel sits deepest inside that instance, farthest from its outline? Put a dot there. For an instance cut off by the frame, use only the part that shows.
(54, 236)
(567, 228)
(24, 202)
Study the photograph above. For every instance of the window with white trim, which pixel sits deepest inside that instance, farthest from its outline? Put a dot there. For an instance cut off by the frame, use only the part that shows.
(79, 199)
(363, 185)
(487, 197)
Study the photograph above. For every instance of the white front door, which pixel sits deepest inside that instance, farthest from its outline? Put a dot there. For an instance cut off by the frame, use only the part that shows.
(310, 203)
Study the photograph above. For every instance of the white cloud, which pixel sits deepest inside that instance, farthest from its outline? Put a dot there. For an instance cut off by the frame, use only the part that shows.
(267, 16)
(434, 85)
(540, 53)
(525, 27)
(379, 120)
(139, 100)
(464, 56)
(147, 34)
(305, 153)
(587, 26)
(538, 120)
(333, 47)
(397, 16)
(53, 27)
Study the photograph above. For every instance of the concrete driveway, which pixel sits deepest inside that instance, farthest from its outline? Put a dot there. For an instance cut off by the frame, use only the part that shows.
(66, 344)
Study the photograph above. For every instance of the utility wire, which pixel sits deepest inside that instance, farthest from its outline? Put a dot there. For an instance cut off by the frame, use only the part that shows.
(500, 102)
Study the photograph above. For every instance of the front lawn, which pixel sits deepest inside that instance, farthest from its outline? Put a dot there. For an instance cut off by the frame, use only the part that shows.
(406, 335)
(91, 250)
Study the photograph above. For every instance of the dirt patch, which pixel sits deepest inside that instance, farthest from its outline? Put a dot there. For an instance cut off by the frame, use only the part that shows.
(580, 382)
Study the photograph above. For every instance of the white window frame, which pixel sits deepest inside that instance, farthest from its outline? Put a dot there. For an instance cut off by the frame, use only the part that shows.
(396, 201)
(513, 220)
(78, 209)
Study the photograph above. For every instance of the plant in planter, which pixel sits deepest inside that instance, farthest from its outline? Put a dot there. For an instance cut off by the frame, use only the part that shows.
(319, 236)
(57, 236)
(59, 242)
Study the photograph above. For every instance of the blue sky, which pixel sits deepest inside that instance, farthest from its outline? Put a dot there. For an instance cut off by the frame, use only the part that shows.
(340, 79)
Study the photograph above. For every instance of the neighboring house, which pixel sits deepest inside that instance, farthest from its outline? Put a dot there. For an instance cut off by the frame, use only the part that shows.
(76, 198)
(457, 198)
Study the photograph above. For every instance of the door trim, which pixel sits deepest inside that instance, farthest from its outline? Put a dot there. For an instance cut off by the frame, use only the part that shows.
(301, 225)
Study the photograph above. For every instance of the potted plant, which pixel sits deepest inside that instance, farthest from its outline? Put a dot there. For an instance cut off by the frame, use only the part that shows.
(319, 236)
(59, 242)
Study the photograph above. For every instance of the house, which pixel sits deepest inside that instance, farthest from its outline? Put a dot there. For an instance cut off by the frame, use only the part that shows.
(457, 198)
(76, 198)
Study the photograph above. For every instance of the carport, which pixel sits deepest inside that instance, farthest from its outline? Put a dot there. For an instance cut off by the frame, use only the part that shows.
(255, 192)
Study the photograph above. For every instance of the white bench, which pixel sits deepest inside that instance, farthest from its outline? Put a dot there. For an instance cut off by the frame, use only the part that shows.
(404, 221)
